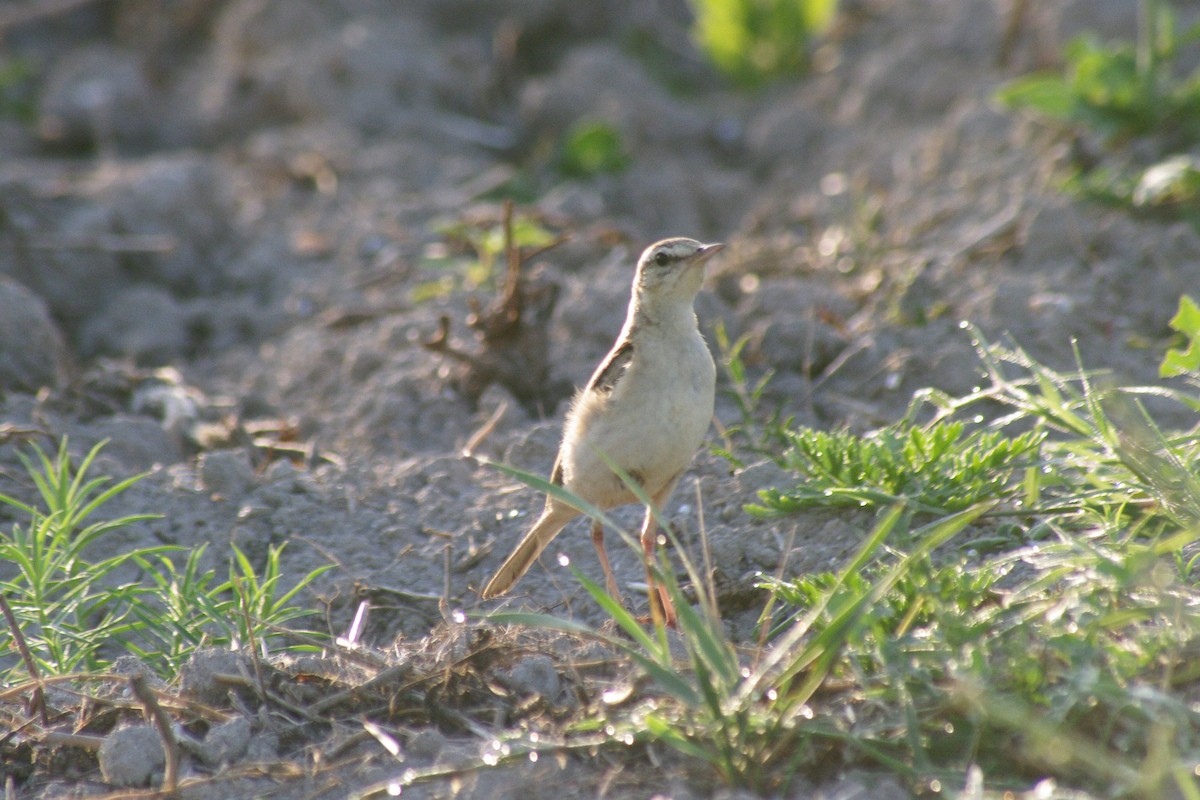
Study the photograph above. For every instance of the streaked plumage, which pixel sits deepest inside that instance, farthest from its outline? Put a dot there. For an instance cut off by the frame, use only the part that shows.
(647, 407)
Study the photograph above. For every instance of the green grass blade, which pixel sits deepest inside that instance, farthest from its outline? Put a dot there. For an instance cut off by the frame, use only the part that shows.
(785, 648)
(664, 731)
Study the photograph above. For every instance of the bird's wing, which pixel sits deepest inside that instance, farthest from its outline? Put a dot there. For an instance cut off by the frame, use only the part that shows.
(607, 375)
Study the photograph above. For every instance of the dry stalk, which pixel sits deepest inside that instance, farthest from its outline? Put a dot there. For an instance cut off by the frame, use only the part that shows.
(162, 723)
(38, 701)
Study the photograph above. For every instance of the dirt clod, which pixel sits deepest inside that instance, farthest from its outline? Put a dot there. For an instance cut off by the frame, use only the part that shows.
(132, 756)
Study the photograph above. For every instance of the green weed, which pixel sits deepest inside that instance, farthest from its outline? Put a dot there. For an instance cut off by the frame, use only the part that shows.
(56, 589)
(192, 611)
(752, 434)
(1127, 92)
(1121, 90)
(1085, 635)
(590, 148)
(472, 257)
(1068, 657)
(1054, 642)
(75, 618)
(747, 716)
(17, 90)
(940, 468)
(756, 41)
(1184, 360)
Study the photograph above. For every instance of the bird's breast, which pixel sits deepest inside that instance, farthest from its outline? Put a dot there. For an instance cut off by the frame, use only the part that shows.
(650, 425)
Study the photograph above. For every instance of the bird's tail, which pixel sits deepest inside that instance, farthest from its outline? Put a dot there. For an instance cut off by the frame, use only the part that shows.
(552, 521)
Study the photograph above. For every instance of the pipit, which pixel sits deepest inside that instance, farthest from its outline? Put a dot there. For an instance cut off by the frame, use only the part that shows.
(646, 409)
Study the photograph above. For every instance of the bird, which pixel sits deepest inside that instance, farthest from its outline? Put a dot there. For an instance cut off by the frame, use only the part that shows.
(646, 409)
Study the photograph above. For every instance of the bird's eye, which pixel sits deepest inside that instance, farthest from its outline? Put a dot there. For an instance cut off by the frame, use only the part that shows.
(662, 259)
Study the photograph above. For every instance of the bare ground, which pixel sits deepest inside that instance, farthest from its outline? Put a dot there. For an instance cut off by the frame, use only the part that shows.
(252, 193)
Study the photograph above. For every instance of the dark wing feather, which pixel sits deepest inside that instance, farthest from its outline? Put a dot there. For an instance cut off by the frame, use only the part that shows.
(606, 377)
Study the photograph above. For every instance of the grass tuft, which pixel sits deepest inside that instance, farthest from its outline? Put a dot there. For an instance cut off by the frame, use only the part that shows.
(1037, 630)
(940, 468)
(75, 616)
(1128, 93)
(756, 41)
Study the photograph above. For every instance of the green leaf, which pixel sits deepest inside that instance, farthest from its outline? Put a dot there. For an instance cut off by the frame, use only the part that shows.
(1184, 360)
(664, 731)
(1171, 181)
(593, 147)
(755, 41)
(1045, 93)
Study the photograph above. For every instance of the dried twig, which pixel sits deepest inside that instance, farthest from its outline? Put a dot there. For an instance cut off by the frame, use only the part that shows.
(80, 740)
(107, 243)
(244, 602)
(1013, 25)
(344, 318)
(440, 343)
(9, 432)
(484, 431)
(63, 683)
(162, 723)
(264, 694)
(393, 674)
(515, 350)
(362, 657)
(38, 701)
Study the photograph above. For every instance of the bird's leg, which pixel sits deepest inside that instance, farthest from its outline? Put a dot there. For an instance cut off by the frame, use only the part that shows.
(661, 606)
(610, 580)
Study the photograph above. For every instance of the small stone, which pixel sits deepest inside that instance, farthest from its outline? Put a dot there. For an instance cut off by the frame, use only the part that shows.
(170, 401)
(535, 675)
(95, 95)
(199, 675)
(32, 350)
(263, 748)
(137, 443)
(143, 322)
(225, 743)
(283, 472)
(131, 756)
(427, 744)
(130, 665)
(226, 472)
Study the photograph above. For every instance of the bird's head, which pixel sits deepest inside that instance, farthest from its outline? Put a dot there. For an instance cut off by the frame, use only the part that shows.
(673, 267)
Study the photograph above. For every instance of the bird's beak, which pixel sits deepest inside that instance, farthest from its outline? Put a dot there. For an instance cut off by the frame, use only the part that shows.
(707, 250)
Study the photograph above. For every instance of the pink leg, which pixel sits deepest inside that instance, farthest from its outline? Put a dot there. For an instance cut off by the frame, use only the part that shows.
(660, 600)
(610, 580)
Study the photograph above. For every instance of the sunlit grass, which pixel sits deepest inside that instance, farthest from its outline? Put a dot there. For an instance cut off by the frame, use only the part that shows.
(756, 41)
(939, 468)
(75, 617)
(1144, 92)
(1046, 632)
